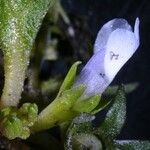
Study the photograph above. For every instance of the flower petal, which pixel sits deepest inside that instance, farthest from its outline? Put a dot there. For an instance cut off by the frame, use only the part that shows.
(120, 47)
(106, 30)
(93, 75)
(136, 29)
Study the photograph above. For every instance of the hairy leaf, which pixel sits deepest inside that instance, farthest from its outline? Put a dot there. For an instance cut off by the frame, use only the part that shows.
(115, 117)
(80, 134)
(132, 145)
(19, 23)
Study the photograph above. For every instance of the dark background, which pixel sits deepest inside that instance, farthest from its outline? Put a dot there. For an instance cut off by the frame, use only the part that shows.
(87, 16)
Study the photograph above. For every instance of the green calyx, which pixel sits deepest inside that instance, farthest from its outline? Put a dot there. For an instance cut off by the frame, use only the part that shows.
(69, 103)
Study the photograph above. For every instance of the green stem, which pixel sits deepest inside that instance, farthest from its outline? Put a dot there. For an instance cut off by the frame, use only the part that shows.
(59, 111)
(16, 63)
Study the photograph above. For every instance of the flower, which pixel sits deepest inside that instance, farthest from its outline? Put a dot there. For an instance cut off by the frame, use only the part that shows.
(114, 45)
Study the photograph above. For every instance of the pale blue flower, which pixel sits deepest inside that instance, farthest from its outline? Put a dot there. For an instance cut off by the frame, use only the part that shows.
(114, 45)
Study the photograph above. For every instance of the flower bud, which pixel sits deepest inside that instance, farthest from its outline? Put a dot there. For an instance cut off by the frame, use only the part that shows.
(114, 45)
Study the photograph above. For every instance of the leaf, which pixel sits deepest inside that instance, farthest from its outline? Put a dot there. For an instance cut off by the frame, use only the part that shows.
(128, 88)
(20, 20)
(16, 122)
(12, 127)
(86, 141)
(28, 114)
(60, 110)
(86, 105)
(83, 118)
(70, 77)
(132, 145)
(19, 23)
(115, 117)
(102, 104)
(80, 125)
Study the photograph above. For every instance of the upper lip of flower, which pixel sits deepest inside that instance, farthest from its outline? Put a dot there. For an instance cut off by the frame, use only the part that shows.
(109, 27)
